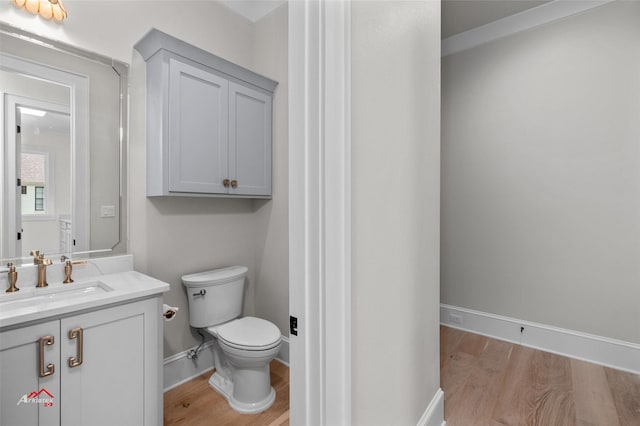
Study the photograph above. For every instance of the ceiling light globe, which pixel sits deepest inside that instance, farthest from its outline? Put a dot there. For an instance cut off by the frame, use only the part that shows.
(46, 9)
(32, 6)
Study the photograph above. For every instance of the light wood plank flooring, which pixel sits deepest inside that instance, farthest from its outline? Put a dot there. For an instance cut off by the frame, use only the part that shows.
(195, 403)
(486, 382)
(489, 382)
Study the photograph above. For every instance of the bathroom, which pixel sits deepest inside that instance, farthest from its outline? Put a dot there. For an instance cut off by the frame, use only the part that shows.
(171, 237)
(383, 383)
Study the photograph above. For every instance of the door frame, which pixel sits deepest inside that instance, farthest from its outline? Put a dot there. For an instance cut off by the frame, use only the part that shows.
(320, 211)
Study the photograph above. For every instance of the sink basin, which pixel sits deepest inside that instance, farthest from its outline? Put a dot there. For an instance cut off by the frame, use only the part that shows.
(35, 297)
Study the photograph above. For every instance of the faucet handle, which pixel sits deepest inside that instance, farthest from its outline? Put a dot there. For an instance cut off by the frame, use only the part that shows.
(36, 256)
(13, 278)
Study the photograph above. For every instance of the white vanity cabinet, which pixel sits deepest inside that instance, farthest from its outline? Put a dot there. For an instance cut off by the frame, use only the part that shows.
(106, 368)
(20, 374)
(209, 123)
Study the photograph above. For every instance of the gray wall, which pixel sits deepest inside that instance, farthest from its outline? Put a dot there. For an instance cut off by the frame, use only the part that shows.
(541, 174)
(395, 209)
(272, 230)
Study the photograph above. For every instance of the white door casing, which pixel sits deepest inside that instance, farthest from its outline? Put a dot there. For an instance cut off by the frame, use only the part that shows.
(319, 211)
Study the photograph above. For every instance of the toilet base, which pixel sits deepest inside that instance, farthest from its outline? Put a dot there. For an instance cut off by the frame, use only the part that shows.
(224, 387)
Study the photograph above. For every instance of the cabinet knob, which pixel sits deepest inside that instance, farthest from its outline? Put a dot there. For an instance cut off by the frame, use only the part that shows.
(225, 183)
(234, 183)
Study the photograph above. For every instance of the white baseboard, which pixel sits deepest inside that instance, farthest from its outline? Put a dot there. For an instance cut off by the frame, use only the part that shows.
(283, 355)
(179, 369)
(600, 350)
(434, 414)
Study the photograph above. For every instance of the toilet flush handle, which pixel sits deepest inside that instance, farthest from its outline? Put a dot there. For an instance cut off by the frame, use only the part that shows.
(202, 292)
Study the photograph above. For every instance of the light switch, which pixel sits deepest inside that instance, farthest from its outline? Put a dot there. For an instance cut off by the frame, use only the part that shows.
(107, 211)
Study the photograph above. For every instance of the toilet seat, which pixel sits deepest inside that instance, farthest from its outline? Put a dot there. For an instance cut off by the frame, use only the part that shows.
(249, 333)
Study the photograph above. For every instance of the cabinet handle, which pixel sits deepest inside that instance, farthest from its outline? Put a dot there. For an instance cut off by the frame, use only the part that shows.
(225, 183)
(45, 340)
(73, 334)
(234, 183)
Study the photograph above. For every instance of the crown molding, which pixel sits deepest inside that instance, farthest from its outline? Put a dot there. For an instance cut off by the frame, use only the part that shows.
(517, 23)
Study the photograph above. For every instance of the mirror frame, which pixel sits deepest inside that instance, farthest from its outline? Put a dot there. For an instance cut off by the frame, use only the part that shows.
(80, 140)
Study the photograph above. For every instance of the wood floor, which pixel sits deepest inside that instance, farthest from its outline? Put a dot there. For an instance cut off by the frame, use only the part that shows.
(488, 382)
(195, 403)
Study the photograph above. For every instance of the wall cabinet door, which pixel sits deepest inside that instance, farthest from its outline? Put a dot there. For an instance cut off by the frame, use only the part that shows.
(198, 129)
(249, 141)
(20, 364)
(208, 123)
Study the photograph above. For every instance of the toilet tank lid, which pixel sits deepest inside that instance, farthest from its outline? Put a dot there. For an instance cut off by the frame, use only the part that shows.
(216, 276)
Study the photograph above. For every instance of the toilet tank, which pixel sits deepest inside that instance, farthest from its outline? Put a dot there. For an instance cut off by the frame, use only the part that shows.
(215, 296)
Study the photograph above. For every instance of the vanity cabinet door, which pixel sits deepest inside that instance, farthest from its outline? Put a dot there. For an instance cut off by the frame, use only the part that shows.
(198, 129)
(249, 141)
(112, 376)
(21, 375)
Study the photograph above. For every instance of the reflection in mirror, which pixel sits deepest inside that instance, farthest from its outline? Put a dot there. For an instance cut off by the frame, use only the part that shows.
(44, 170)
(64, 128)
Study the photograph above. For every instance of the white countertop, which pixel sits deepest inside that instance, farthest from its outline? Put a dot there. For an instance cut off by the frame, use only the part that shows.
(87, 292)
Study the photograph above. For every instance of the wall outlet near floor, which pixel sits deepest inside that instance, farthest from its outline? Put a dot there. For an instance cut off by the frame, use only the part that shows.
(455, 318)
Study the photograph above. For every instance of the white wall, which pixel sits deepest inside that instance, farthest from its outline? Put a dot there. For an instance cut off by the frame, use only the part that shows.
(272, 231)
(395, 209)
(170, 237)
(541, 174)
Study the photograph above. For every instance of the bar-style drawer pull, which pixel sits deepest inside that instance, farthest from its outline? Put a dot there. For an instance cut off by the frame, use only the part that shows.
(48, 341)
(76, 333)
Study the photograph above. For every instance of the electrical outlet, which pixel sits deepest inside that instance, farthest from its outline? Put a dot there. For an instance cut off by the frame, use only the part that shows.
(455, 318)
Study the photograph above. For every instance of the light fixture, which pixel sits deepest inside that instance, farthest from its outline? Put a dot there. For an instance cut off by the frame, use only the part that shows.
(48, 9)
(31, 111)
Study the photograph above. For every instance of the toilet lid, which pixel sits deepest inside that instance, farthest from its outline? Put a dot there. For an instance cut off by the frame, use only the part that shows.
(249, 332)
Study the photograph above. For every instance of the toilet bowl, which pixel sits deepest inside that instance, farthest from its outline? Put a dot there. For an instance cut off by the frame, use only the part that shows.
(243, 347)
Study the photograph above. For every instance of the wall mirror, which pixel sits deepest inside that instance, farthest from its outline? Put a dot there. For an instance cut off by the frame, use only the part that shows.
(64, 127)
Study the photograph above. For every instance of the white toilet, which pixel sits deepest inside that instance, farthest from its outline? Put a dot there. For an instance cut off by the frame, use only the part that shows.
(243, 347)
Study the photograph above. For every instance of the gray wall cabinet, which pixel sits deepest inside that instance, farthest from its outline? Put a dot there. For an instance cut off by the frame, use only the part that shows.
(208, 123)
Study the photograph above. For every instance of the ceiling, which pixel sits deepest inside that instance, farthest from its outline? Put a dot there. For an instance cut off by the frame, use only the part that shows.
(457, 15)
(253, 10)
(462, 15)
(51, 122)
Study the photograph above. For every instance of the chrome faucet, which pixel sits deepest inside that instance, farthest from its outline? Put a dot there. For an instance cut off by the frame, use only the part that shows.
(42, 263)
